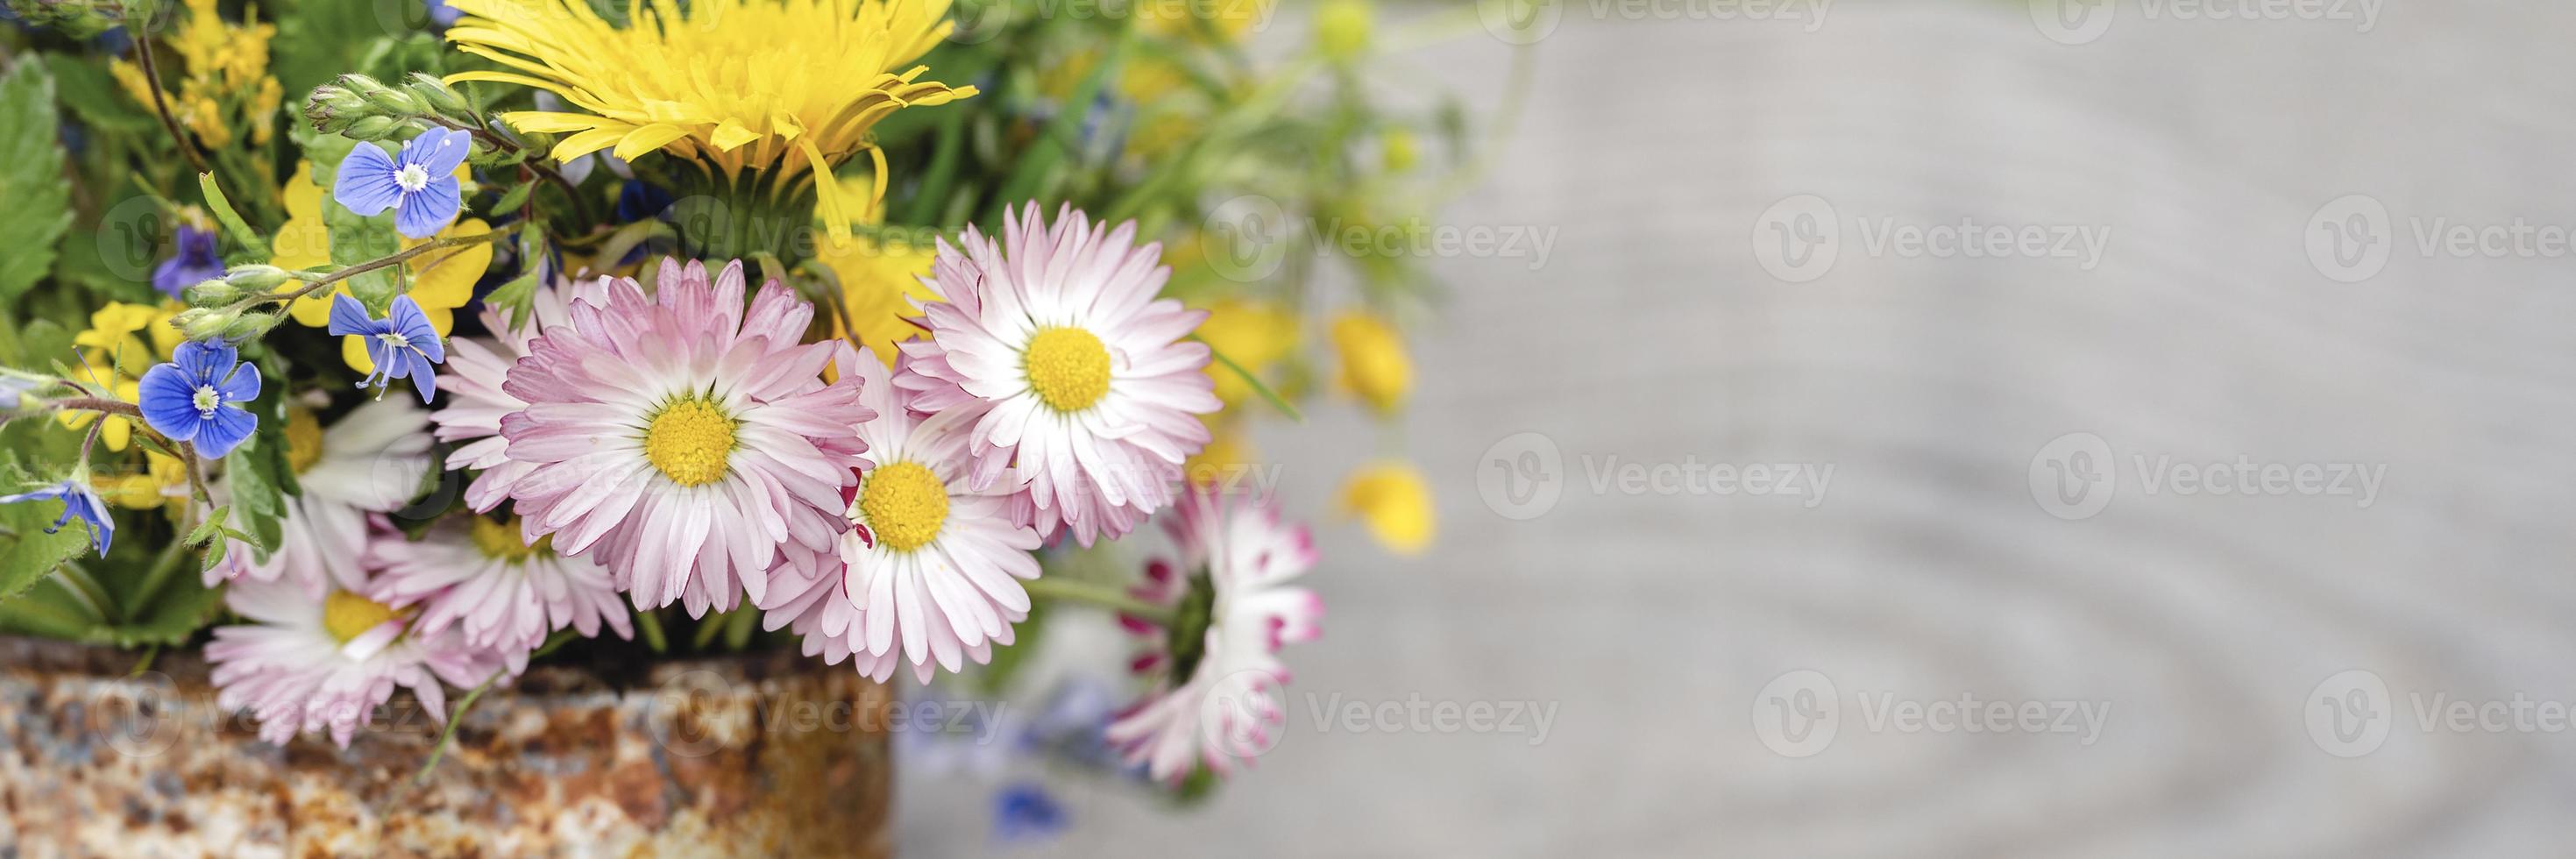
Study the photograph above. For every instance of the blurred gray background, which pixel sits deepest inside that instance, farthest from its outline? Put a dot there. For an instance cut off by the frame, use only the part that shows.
(2272, 668)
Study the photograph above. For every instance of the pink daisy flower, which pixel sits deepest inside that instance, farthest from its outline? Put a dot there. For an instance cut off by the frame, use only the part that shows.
(929, 563)
(504, 595)
(685, 439)
(476, 403)
(308, 665)
(370, 461)
(1215, 669)
(1067, 366)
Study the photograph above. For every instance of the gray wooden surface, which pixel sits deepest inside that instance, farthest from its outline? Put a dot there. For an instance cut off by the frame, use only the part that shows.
(2205, 624)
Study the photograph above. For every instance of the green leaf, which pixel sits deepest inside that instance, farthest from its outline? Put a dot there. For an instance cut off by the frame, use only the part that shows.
(512, 198)
(172, 617)
(35, 553)
(252, 473)
(38, 201)
(213, 525)
(252, 246)
(94, 96)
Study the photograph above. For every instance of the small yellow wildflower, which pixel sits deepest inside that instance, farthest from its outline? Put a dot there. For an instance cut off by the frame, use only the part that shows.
(223, 77)
(165, 478)
(117, 332)
(1342, 29)
(1395, 503)
(1374, 365)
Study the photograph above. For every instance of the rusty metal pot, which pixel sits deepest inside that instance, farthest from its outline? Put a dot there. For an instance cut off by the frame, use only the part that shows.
(752, 756)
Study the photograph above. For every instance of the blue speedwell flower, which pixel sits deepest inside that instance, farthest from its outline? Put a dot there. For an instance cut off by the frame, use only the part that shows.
(78, 503)
(198, 396)
(196, 261)
(402, 344)
(419, 185)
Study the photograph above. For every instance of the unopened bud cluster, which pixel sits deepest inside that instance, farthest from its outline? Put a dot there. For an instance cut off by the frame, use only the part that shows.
(364, 108)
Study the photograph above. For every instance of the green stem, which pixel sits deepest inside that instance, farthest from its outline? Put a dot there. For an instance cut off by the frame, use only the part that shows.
(386, 261)
(159, 575)
(1066, 589)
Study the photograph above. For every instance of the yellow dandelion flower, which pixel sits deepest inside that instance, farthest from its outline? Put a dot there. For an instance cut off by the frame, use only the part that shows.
(441, 281)
(1395, 503)
(1374, 365)
(785, 85)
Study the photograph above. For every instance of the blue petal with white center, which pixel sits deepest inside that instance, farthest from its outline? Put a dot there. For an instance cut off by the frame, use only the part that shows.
(198, 397)
(419, 184)
(403, 345)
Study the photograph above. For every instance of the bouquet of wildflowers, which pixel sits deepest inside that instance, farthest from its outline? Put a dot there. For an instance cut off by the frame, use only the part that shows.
(381, 349)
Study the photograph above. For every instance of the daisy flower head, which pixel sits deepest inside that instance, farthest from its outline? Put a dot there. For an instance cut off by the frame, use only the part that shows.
(502, 593)
(688, 440)
(323, 665)
(401, 345)
(932, 565)
(1215, 666)
(198, 397)
(419, 184)
(792, 87)
(1067, 365)
(475, 401)
(370, 461)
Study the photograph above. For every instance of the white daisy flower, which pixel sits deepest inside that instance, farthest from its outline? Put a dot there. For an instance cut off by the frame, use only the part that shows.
(503, 594)
(1053, 345)
(307, 664)
(931, 564)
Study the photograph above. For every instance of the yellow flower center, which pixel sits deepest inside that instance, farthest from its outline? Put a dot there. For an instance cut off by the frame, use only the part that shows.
(303, 439)
(904, 504)
(501, 540)
(346, 615)
(1068, 367)
(689, 441)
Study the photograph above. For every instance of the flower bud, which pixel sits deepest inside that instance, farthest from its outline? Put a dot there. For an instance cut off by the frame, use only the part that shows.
(249, 326)
(201, 323)
(332, 108)
(256, 278)
(372, 128)
(441, 97)
(211, 293)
